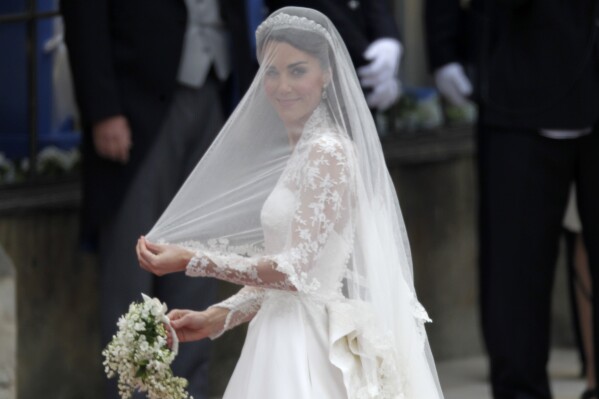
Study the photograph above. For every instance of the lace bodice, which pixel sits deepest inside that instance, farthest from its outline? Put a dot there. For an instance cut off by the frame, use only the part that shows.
(306, 225)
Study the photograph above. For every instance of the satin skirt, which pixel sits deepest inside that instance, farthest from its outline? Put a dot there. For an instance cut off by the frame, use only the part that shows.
(286, 354)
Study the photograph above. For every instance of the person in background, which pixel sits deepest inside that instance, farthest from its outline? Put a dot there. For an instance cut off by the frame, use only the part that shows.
(451, 50)
(537, 133)
(150, 81)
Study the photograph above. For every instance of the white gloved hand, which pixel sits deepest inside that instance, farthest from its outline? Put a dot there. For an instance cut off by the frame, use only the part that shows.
(384, 55)
(381, 74)
(453, 83)
(384, 95)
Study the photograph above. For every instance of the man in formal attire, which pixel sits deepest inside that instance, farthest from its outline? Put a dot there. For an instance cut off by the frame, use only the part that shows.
(538, 132)
(372, 38)
(149, 80)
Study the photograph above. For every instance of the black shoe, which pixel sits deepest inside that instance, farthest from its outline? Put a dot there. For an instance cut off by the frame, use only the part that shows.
(590, 394)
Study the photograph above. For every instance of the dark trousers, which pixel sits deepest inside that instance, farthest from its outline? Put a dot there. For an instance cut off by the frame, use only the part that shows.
(524, 185)
(194, 119)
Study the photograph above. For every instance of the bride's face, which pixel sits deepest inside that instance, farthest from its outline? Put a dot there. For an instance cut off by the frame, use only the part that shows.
(293, 81)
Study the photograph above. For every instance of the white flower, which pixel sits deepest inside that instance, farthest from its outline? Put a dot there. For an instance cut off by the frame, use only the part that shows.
(53, 156)
(7, 169)
(139, 356)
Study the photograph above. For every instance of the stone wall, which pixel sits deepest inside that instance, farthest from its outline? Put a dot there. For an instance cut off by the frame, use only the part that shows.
(8, 328)
(438, 203)
(58, 346)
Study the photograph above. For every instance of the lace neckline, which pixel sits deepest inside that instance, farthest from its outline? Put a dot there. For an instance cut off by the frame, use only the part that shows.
(320, 119)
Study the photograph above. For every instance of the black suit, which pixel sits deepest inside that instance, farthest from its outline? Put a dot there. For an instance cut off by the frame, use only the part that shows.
(450, 32)
(538, 69)
(359, 22)
(519, 52)
(542, 64)
(125, 58)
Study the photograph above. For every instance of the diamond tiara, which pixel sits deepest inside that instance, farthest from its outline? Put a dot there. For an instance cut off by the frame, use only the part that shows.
(283, 20)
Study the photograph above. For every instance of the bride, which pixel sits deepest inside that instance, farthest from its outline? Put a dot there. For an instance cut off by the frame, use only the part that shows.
(293, 202)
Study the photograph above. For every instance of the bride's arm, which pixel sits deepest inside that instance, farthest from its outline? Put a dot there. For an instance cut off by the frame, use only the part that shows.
(191, 325)
(321, 206)
(242, 308)
(162, 259)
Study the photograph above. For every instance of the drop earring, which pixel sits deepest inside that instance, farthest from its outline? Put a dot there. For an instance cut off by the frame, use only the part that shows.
(324, 93)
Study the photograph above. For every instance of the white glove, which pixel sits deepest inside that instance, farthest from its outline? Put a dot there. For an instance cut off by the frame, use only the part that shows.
(384, 55)
(381, 74)
(384, 95)
(453, 83)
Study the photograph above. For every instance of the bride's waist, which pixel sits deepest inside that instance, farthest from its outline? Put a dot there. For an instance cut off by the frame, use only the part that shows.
(319, 297)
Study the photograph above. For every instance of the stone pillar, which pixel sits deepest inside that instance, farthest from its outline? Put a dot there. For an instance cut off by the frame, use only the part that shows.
(8, 328)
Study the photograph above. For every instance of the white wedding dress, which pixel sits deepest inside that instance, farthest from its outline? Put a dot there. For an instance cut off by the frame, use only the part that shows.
(305, 339)
(311, 231)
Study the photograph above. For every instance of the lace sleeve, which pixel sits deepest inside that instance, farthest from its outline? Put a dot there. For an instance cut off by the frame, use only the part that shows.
(320, 184)
(242, 307)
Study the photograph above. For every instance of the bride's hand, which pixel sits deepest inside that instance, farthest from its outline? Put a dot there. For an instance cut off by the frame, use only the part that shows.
(194, 326)
(161, 259)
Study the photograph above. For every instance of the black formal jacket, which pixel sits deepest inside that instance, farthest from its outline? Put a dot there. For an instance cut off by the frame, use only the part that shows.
(359, 22)
(451, 32)
(125, 56)
(537, 60)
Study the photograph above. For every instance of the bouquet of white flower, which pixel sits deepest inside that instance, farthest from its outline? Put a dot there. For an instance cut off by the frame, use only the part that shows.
(138, 353)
